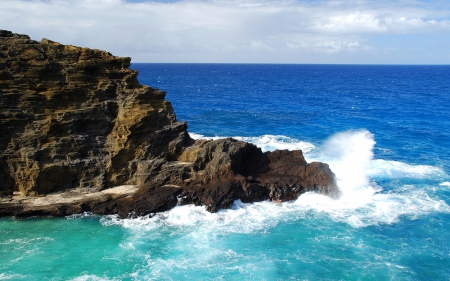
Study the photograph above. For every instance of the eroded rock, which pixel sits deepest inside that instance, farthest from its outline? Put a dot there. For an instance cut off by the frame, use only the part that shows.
(75, 122)
(75, 117)
(216, 173)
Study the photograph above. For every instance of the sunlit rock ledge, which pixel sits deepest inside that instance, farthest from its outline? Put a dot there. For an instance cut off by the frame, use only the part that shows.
(79, 133)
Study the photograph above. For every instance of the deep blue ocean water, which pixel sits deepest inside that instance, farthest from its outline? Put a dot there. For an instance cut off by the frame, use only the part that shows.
(384, 130)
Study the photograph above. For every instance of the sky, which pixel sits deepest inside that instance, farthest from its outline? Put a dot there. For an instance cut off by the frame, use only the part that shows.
(243, 31)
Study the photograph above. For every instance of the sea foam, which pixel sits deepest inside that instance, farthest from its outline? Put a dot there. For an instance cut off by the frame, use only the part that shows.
(350, 156)
(4, 276)
(92, 278)
(394, 170)
(268, 142)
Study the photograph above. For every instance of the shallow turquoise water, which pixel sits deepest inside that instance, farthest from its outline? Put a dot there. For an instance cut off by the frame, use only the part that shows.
(260, 242)
(384, 130)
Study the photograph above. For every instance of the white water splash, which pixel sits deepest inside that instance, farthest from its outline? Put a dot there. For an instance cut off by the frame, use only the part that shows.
(349, 155)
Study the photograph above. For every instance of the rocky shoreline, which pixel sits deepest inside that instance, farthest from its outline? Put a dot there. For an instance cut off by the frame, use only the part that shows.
(80, 134)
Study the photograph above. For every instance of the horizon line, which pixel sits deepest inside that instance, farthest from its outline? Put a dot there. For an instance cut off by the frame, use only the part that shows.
(283, 63)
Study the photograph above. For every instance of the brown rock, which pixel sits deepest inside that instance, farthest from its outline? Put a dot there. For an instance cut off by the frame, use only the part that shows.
(75, 117)
(248, 174)
(222, 171)
(75, 122)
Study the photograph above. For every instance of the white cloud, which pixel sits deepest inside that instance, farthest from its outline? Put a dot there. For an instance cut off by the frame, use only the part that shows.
(258, 45)
(233, 30)
(329, 47)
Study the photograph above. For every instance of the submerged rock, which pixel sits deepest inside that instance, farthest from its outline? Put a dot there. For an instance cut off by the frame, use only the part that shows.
(76, 122)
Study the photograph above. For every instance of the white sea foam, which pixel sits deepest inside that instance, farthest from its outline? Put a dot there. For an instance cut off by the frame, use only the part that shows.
(91, 278)
(4, 276)
(274, 142)
(395, 169)
(445, 184)
(196, 136)
(23, 242)
(382, 208)
(268, 142)
(241, 218)
(350, 156)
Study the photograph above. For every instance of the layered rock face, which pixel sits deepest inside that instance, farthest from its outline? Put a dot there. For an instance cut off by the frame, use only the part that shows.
(76, 117)
(77, 121)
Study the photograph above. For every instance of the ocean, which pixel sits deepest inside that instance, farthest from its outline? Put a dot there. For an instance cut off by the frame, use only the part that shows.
(383, 129)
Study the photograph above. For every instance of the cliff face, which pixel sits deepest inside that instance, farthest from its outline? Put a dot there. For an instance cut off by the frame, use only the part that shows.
(77, 120)
(76, 117)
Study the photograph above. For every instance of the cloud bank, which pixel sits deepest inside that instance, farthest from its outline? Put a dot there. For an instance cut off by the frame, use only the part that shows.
(248, 31)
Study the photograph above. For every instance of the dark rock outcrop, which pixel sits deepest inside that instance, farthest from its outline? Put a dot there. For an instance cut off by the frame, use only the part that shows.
(216, 173)
(75, 122)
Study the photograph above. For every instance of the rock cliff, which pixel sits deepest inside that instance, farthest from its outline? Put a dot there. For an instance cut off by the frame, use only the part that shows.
(76, 121)
(76, 117)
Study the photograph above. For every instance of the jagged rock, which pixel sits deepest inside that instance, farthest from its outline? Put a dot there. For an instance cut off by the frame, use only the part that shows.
(264, 175)
(75, 122)
(76, 117)
(216, 173)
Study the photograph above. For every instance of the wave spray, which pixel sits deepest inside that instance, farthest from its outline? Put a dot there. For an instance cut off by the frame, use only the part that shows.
(349, 155)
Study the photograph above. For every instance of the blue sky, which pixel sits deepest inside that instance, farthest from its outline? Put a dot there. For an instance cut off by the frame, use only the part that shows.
(243, 31)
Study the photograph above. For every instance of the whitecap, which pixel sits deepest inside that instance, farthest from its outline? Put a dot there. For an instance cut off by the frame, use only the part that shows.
(395, 170)
(278, 142)
(91, 278)
(196, 136)
(267, 142)
(4, 276)
(22, 242)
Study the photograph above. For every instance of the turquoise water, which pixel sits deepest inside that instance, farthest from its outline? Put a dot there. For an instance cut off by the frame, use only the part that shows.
(384, 130)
